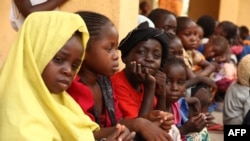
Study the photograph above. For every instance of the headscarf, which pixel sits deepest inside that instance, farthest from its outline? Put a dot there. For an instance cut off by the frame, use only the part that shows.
(28, 111)
(243, 73)
(143, 33)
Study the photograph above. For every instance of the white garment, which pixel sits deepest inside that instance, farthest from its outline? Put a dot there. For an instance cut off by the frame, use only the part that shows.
(236, 104)
(16, 18)
(175, 133)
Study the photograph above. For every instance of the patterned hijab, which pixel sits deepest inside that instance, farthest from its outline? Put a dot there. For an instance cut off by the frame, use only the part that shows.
(243, 71)
(28, 111)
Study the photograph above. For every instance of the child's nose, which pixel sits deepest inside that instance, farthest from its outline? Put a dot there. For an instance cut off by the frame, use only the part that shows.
(67, 70)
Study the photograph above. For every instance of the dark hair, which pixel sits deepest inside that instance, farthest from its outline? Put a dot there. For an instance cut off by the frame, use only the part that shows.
(243, 29)
(182, 23)
(230, 29)
(94, 21)
(156, 14)
(171, 36)
(143, 4)
(207, 23)
(174, 61)
(219, 41)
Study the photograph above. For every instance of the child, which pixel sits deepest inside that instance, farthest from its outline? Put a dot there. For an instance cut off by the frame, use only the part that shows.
(207, 23)
(92, 88)
(163, 20)
(175, 70)
(244, 35)
(187, 32)
(237, 100)
(144, 50)
(231, 32)
(217, 51)
(34, 104)
(21, 9)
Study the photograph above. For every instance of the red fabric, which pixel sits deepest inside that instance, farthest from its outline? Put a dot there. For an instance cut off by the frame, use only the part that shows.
(129, 99)
(176, 112)
(236, 49)
(82, 94)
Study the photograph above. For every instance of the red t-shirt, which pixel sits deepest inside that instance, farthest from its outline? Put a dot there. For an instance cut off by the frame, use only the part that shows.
(84, 97)
(129, 99)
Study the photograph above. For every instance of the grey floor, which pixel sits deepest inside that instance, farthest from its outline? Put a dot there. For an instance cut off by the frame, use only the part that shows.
(217, 135)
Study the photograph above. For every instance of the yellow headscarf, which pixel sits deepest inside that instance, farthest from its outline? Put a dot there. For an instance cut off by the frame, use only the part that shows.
(28, 111)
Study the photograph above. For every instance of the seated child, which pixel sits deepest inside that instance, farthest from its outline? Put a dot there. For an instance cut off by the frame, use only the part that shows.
(217, 51)
(190, 43)
(44, 110)
(194, 127)
(92, 88)
(237, 100)
(34, 104)
(143, 50)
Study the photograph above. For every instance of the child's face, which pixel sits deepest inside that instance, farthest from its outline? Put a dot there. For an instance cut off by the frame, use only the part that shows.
(148, 54)
(102, 55)
(212, 51)
(176, 48)
(60, 71)
(189, 36)
(175, 85)
(167, 23)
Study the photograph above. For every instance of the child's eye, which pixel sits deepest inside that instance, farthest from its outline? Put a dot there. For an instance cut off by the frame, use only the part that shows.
(168, 82)
(75, 66)
(157, 54)
(142, 52)
(58, 59)
(181, 82)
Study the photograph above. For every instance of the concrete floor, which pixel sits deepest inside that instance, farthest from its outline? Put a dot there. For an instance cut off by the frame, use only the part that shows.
(217, 135)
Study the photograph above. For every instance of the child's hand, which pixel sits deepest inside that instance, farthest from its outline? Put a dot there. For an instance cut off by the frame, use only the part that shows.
(160, 84)
(195, 123)
(217, 66)
(152, 132)
(209, 118)
(142, 75)
(121, 133)
(163, 119)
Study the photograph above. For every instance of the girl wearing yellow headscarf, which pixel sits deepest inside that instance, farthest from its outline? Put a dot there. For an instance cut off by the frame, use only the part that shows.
(31, 109)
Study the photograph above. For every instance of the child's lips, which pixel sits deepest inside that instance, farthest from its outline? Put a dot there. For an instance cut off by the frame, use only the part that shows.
(64, 83)
(116, 68)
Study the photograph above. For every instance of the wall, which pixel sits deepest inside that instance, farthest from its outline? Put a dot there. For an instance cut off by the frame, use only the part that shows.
(122, 13)
(236, 11)
(198, 8)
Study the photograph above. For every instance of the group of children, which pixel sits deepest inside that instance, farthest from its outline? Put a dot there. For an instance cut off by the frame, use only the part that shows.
(70, 87)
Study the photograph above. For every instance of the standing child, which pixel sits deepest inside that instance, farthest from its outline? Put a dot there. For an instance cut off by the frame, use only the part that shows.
(21, 9)
(92, 88)
(194, 127)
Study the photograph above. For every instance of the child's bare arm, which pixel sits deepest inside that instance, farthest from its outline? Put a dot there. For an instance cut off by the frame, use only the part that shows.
(160, 91)
(207, 68)
(25, 7)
